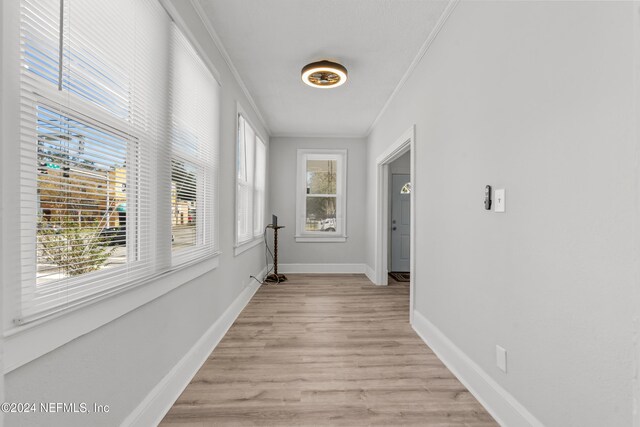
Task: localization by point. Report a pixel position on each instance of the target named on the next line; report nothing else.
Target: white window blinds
(104, 123)
(194, 135)
(251, 183)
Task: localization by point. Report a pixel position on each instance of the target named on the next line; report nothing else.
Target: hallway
(325, 350)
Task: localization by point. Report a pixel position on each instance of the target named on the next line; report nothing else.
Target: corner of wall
(506, 410)
(370, 273)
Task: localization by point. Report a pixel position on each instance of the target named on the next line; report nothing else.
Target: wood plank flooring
(325, 350)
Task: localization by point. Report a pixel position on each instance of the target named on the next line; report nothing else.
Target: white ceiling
(269, 41)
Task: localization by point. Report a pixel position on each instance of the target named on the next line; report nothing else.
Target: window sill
(243, 247)
(24, 344)
(321, 239)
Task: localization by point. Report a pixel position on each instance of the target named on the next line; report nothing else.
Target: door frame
(406, 142)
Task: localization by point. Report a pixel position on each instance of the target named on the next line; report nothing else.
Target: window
(81, 188)
(193, 153)
(321, 196)
(251, 182)
(118, 151)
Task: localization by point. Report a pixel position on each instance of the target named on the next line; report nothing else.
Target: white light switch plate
(501, 359)
(499, 199)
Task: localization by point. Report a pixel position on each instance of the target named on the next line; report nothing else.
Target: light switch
(499, 200)
(501, 358)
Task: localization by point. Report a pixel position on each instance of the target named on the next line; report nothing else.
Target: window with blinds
(194, 94)
(119, 121)
(251, 182)
(82, 184)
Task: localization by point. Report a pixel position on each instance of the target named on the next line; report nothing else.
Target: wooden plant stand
(275, 277)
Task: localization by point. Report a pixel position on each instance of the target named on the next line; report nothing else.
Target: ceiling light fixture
(324, 74)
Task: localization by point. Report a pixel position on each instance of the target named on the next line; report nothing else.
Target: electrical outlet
(501, 358)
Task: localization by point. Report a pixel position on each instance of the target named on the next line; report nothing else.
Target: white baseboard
(321, 268)
(371, 274)
(158, 402)
(506, 410)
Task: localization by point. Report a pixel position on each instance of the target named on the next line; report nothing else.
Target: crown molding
(423, 50)
(318, 135)
(234, 71)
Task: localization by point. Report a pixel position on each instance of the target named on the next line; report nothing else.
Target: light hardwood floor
(325, 350)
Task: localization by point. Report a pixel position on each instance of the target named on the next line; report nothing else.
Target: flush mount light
(324, 74)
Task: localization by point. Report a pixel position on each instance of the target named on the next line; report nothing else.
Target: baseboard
(506, 410)
(371, 274)
(321, 268)
(158, 402)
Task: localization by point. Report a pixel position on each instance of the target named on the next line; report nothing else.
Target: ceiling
(269, 42)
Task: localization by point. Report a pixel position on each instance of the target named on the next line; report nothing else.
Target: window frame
(257, 238)
(82, 111)
(340, 234)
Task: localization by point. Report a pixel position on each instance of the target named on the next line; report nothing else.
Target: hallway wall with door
(536, 98)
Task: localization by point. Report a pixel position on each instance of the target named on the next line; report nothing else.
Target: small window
(321, 196)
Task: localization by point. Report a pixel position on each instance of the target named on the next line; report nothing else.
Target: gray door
(400, 223)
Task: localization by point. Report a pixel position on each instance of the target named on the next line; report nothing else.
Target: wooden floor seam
(325, 350)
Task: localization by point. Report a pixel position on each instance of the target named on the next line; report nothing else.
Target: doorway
(405, 145)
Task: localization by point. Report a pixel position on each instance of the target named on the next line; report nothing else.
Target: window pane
(321, 176)
(183, 204)
(321, 214)
(82, 184)
(241, 159)
(244, 211)
(259, 187)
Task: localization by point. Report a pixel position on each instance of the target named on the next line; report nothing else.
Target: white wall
(537, 98)
(3, 183)
(120, 363)
(282, 161)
